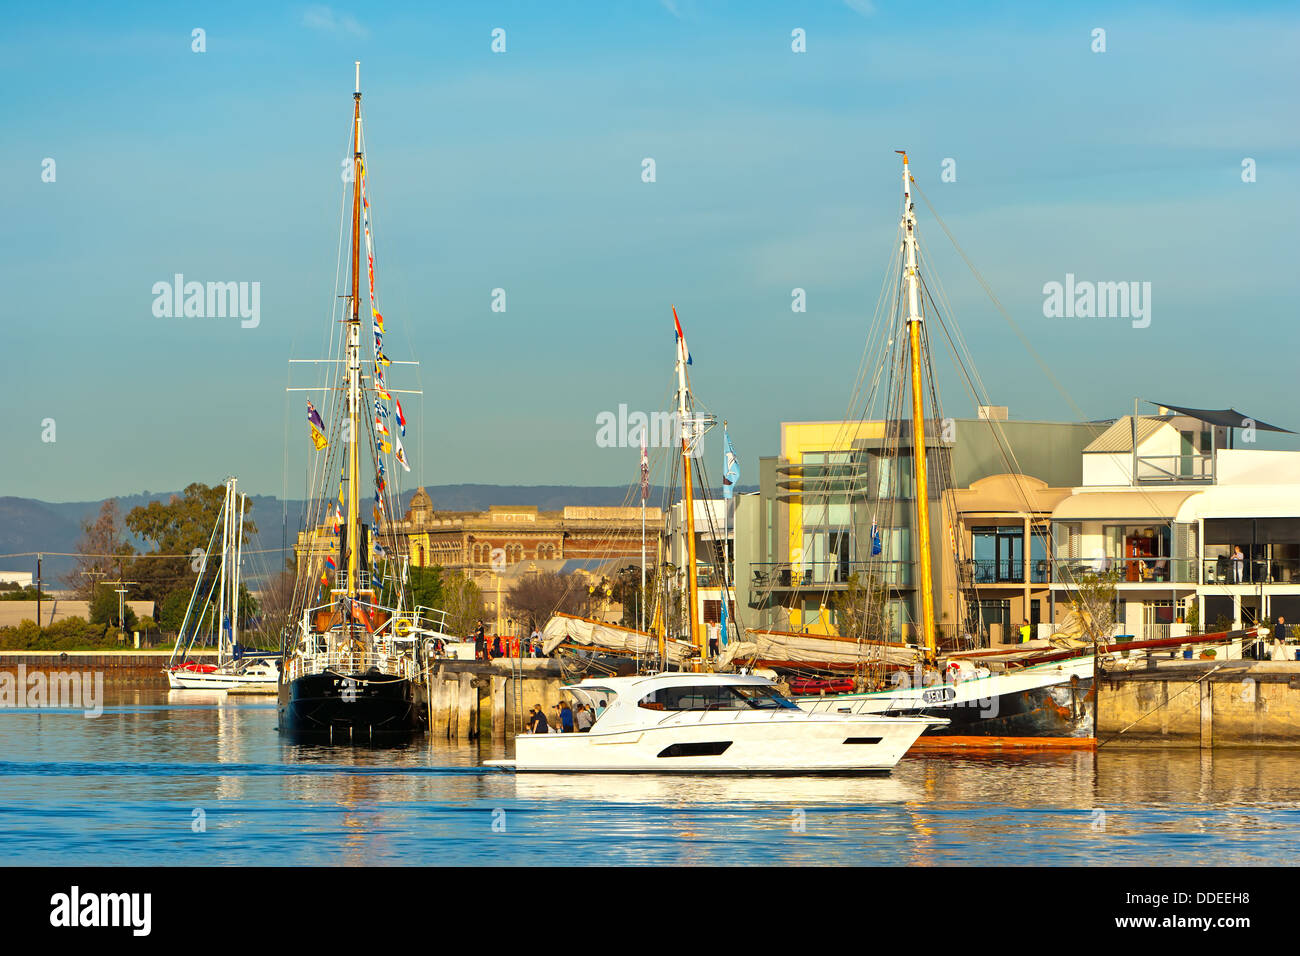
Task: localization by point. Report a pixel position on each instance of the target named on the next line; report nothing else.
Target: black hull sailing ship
(353, 668)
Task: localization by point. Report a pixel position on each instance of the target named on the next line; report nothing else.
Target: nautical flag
(324, 579)
(401, 455)
(379, 321)
(722, 638)
(338, 518)
(379, 341)
(329, 561)
(380, 390)
(645, 473)
(875, 539)
(378, 517)
(381, 408)
(682, 350)
(380, 426)
(401, 419)
(730, 466)
(317, 427)
(381, 358)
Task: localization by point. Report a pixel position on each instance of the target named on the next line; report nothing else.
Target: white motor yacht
(712, 723)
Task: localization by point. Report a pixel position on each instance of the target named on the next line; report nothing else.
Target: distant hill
(27, 524)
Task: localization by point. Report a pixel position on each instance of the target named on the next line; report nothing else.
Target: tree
(463, 602)
(101, 551)
(105, 608)
(423, 589)
(278, 611)
(860, 608)
(537, 596)
(182, 527)
(1094, 599)
(625, 589)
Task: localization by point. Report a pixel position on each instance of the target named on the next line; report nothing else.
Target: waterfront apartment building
(808, 531)
(1199, 531)
(1196, 528)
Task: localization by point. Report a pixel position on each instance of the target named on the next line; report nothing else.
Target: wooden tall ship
(353, 667)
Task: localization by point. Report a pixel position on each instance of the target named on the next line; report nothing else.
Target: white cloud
(325, 19)
(864, 7)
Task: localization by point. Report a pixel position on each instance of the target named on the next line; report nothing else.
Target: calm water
(123, 788)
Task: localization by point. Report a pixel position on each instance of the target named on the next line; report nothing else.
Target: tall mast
(237, 549)
(221, 584)
(914, 320)
(686, 418)
(354, 349)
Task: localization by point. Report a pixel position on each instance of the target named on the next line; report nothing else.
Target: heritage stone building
(490, 546)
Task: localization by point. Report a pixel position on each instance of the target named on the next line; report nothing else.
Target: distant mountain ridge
(28, 524)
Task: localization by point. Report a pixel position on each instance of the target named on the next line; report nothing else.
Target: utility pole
(38, 590)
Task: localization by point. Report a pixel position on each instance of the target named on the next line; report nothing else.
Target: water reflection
(121, 788)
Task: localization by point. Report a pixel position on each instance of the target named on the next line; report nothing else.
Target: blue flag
(875, 539)
(722, 638)
(730, 466)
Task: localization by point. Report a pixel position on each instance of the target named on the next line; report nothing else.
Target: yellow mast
(914, 320)
(354, 349)
(685, 418)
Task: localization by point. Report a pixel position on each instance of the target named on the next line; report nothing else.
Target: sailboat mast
(221, 584)
(237, 547)
(688, 499)
(354, 349)
(914, 320)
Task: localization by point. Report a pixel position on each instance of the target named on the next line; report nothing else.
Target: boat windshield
(717, 697)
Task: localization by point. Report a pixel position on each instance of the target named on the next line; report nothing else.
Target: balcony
(827, 575)
(1156, 570)
(1221, 570)
(1155, 469)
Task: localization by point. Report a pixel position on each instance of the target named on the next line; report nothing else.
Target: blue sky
(521, 171)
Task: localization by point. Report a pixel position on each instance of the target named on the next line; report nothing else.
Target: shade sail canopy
(1226, 417)
(1121, 505)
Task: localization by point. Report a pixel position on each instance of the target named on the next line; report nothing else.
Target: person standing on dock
(1025, 631)
(1282, 631)
(480, 643)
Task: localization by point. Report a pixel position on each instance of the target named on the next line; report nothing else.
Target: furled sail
(767, 646)
(567, 629)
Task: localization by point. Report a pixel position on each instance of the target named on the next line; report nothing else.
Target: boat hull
(359, 708)
(1053, 702)
(264, 682)
(778, 744)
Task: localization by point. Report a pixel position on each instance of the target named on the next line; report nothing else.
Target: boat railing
(350, 661)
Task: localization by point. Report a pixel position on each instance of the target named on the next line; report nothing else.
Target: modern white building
(1187, 519)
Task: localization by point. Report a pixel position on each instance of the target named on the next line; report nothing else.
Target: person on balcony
(1238, 564)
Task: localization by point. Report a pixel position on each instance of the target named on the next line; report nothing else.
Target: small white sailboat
(712, 723)
(235, 670)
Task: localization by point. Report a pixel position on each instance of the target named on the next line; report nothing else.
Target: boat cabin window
(717, 697)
